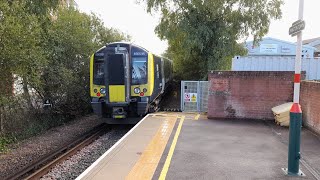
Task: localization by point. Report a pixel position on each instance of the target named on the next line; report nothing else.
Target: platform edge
(83, 174)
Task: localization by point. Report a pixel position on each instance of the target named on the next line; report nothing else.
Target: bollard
(294, 140)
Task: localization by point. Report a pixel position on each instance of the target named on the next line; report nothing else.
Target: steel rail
(44, 164)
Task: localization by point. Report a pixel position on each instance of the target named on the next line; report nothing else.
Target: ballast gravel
(25, 152)
(75, 165)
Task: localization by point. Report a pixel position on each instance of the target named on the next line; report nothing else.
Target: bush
(47, 47)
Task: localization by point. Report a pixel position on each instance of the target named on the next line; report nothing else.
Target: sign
(297, 27)
(47, 103)
(186, 97)
(99, 54)
(193, 97)
(269, 48)
(285, 49)
(190, 97)
(139, 53)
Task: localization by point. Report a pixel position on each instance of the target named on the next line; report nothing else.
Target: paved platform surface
(189, 146)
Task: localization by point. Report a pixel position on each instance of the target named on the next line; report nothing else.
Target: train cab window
(139, 70)
(98, 70)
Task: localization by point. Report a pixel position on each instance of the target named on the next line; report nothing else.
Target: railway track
(171, 100)
(43, 165)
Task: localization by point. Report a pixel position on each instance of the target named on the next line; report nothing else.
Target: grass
(5, 141)
(38, 126)
(41, 125)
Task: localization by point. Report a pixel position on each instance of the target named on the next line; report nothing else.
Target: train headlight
(136, 90)
(145, 90)
(103, 90)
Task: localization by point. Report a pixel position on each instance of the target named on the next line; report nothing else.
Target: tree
(19, 44)
(104, 35)
(48, 45)
(72, 38)
(204, 34)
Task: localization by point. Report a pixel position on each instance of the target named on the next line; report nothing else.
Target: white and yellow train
(126, 80)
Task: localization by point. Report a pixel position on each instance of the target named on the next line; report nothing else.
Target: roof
(287, 42)
(307, 41)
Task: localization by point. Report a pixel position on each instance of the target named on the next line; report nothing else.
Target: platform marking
(149, 160)
(197, 117)
(164, 115)
(170, 154)
(93, 165)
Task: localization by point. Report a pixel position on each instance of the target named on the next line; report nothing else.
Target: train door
(117, 71)
(158, 84)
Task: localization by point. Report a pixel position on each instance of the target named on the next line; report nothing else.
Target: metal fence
(194, 96)
(276, 63)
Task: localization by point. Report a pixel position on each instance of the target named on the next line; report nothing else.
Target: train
(126, 80)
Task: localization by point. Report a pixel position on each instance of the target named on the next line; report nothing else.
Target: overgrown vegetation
(45, 48)
(204, 34)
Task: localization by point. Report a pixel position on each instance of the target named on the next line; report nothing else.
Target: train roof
(132, 44)
(128, 43)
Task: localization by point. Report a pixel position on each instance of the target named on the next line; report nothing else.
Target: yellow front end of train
(127, 81)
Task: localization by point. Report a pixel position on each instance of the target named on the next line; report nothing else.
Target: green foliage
(69, 46)
(72, 37)
(49, 46)
(203, 34)
(5, 141)
(20, 39)
(105, 35)
(41, 7)
(41, 123)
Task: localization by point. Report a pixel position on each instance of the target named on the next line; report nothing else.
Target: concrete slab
(310, 146)
(233, 149)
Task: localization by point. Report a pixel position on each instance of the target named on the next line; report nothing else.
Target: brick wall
(310, 103)
(248, 94)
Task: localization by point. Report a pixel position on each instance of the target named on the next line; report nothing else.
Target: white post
(298, 58)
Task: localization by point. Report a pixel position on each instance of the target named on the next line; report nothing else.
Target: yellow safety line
(197, 117)
(170, 154)
(165, 115)
(149, 160)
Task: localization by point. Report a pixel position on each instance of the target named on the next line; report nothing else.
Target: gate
(194, 96)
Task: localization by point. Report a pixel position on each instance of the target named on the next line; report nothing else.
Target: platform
(189, 146)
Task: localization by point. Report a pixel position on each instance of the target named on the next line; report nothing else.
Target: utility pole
(296, 112)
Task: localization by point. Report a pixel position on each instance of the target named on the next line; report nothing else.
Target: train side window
(158, 73)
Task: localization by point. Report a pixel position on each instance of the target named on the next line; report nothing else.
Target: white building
(276, 47)
(314, 42)
(276, 55)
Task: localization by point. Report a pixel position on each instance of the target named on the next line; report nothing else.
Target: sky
(132, 18)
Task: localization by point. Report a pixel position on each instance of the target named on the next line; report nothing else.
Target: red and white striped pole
(296, 112)
(297, 75)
